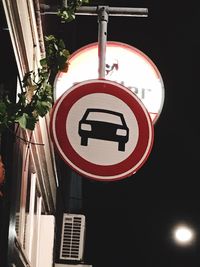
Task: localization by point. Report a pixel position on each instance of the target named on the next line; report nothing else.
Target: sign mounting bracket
(103, 12)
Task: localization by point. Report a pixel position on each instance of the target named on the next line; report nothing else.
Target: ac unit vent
(72, 240)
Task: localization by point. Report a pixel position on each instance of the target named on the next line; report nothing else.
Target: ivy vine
(36, 97)
(67, 14)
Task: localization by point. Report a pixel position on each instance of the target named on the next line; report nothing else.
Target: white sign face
(125, 65)
(104, 150)
(102, 130)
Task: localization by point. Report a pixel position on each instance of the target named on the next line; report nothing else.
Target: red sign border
(60, 139)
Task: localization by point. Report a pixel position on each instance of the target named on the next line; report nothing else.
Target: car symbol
(104, 125)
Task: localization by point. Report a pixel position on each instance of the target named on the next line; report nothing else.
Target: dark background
(129, 222)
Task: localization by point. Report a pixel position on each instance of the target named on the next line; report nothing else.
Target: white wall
(45, 250)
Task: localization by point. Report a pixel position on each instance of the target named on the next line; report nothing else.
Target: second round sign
(101, 130)
(125, 65)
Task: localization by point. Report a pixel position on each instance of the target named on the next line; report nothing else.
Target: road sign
(101, 130)
(125, 64)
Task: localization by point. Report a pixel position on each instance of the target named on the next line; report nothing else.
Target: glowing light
(125, 65)
(184, 235)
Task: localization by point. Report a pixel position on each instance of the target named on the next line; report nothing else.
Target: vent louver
(72, 240)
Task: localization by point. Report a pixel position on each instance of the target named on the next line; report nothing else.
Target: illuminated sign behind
(125, 65)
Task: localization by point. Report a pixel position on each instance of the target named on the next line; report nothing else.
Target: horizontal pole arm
(93, 11)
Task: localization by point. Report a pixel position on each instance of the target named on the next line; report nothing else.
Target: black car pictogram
(105, 125)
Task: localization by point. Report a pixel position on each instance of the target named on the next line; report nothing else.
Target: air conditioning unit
(73, 235)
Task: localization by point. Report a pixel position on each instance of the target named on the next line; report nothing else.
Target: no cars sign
(101, 130)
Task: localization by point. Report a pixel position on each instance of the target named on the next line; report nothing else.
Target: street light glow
(183, 235)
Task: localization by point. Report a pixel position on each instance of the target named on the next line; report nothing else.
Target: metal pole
(113, 11)
(93, 11)
(102, 12)
(102, 39)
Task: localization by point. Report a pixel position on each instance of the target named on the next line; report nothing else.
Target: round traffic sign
(101, 130)
(125, 64)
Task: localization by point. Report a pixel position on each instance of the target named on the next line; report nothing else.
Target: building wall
(30, 186)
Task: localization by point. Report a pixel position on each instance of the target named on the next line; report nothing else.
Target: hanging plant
(67, 14)
(36, 96)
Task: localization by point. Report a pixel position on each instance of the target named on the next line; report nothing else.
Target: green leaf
(27, 79)
(43, 62)
(61, 62)
(66, 14)
(22, 98)
(26, 122)
(56, 47)
(31, 121)
(2, 107)
(22, 120)
(65, 53)
(43, 107)
(61, 44)
(49, 38)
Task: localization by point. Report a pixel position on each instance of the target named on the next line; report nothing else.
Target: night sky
(130, 222)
